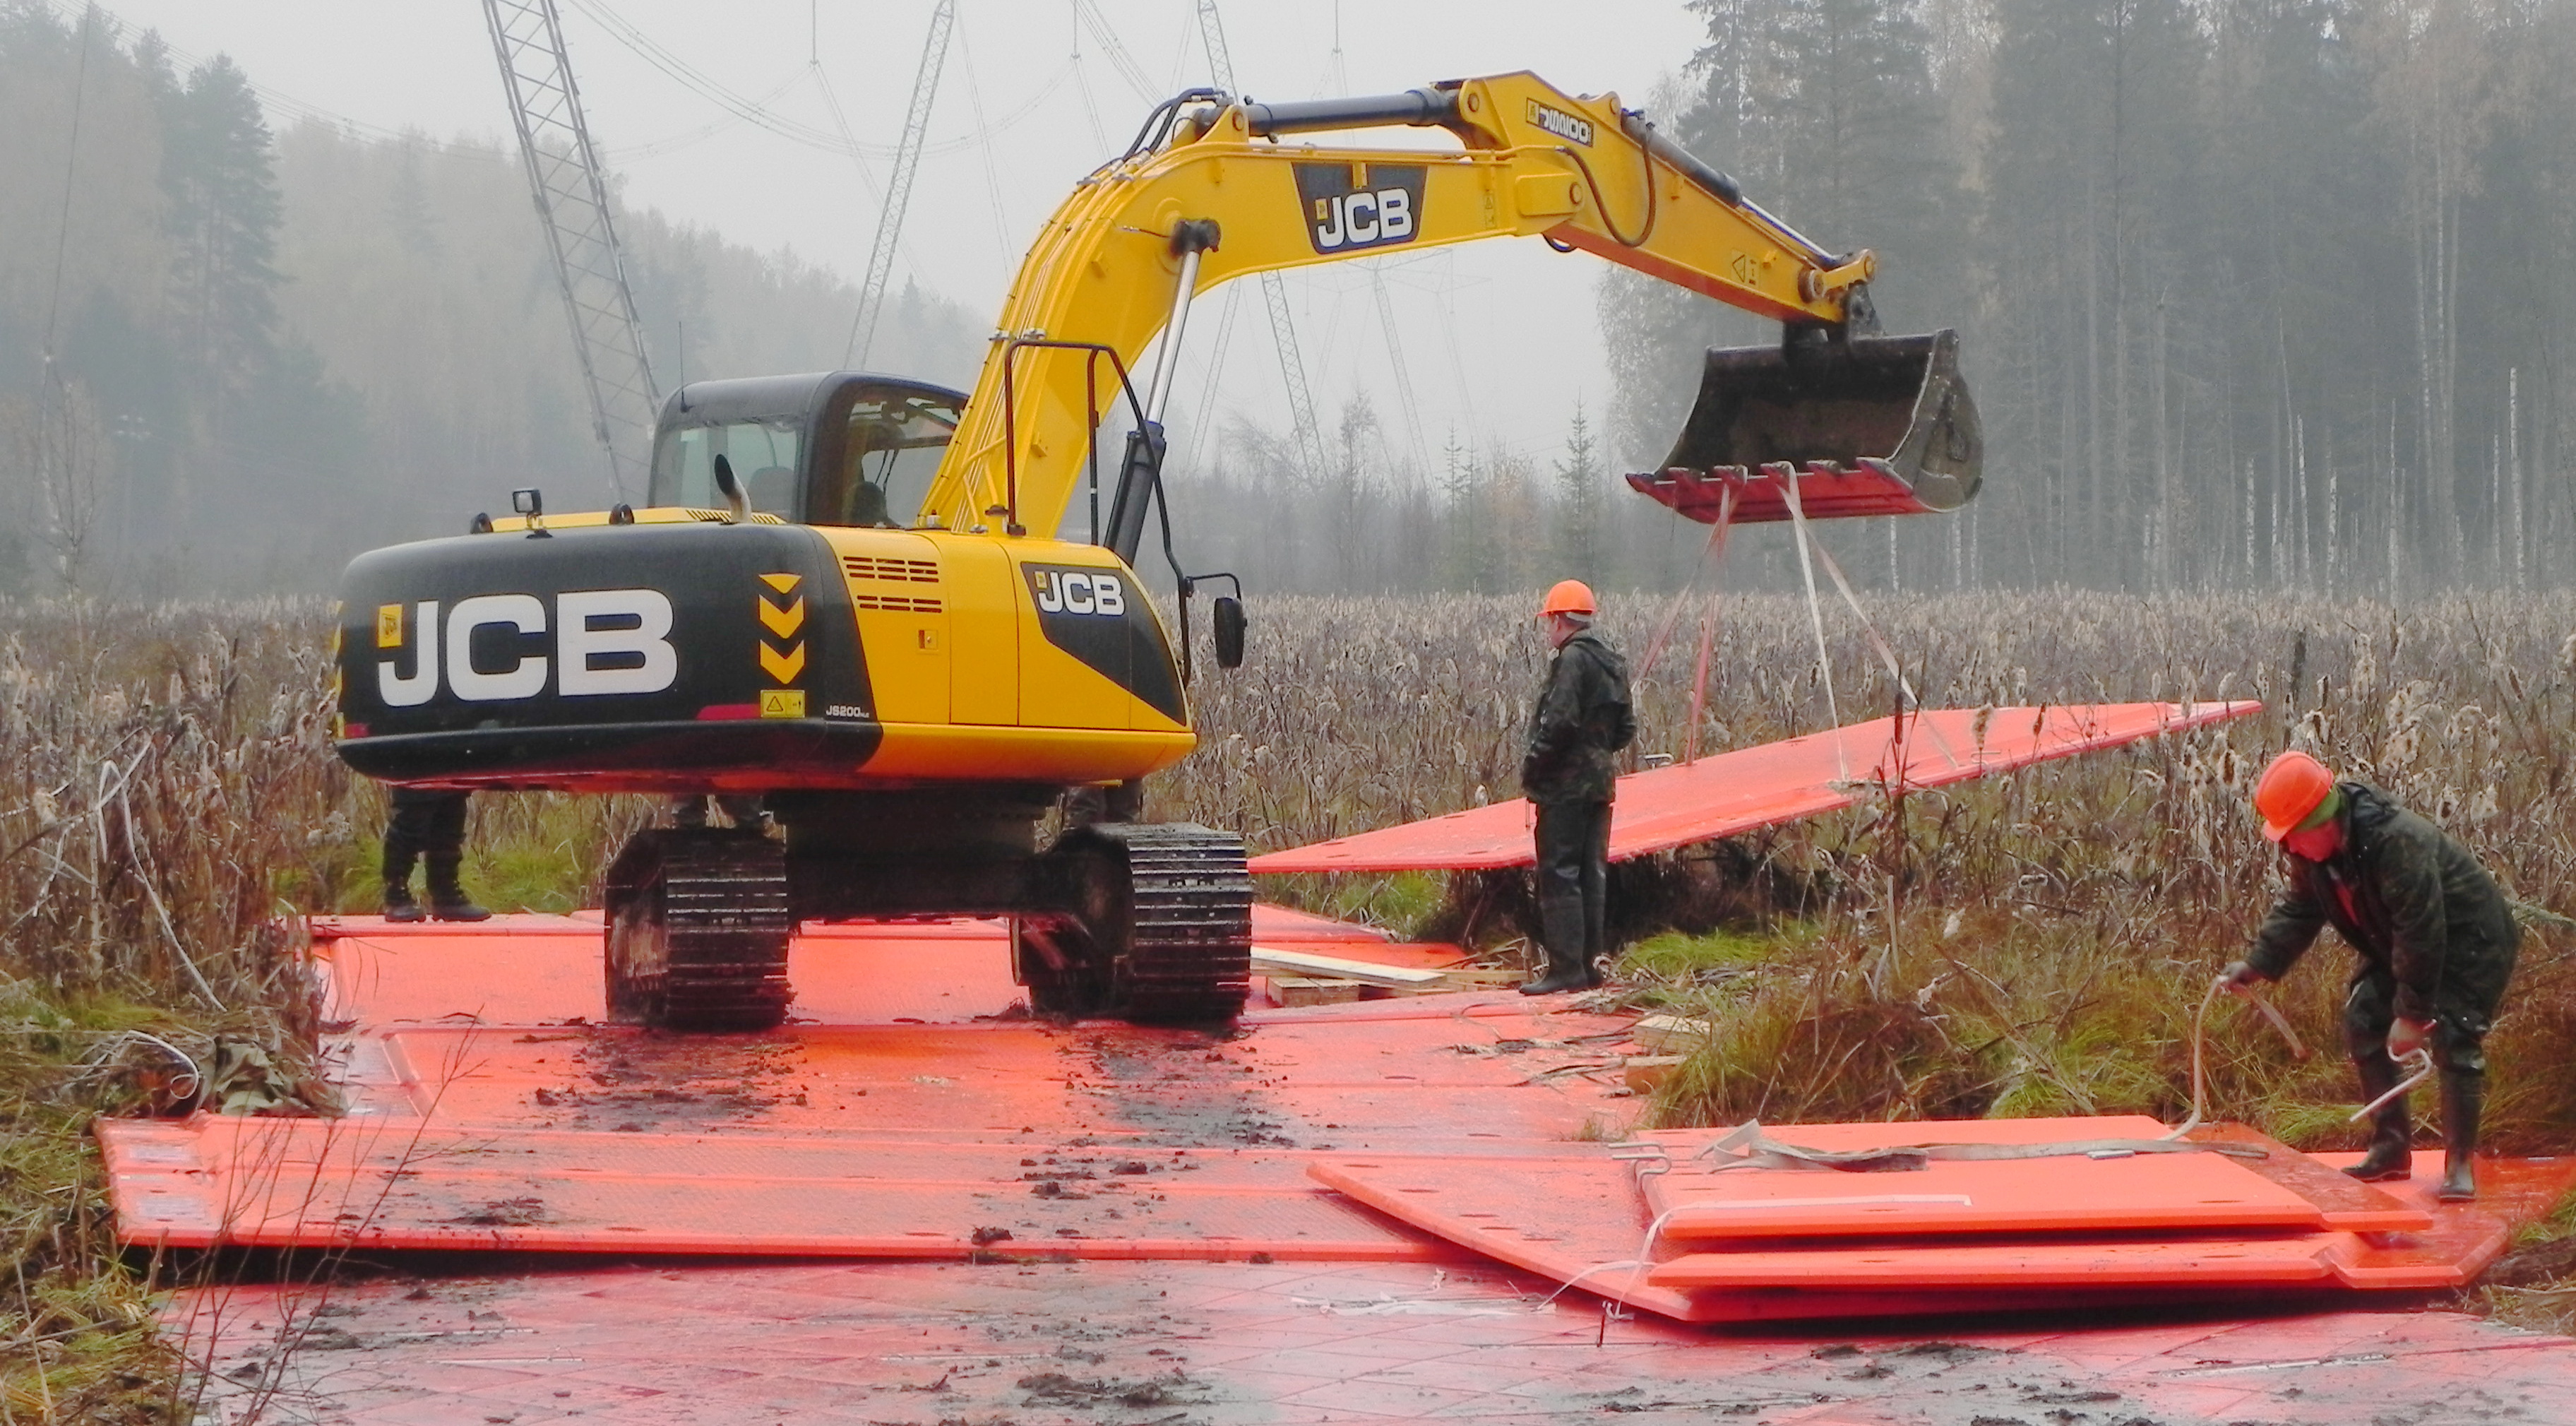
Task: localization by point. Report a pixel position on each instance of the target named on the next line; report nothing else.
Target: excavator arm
(1217, 187)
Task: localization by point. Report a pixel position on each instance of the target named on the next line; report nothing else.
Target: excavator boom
(1217, 188)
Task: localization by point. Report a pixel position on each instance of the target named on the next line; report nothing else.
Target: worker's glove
(2241, 975)
(2408, 1038)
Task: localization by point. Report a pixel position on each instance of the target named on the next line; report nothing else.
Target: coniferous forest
(2254, 293)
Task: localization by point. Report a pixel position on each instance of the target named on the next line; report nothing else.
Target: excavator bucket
(1875, 426)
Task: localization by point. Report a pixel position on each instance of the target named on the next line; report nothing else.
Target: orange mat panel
(1732, 793)
(1347, 1081)
(1579, 1221)
(524, 970)
(934, 1114)
(389, 1185)
(2191, 1263)
(2460, 1240)
(2189, 1192)
(1582, 1220)
(1575, 1220)
(2343, 1202)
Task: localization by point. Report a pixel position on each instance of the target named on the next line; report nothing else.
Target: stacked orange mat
(1679, 1225)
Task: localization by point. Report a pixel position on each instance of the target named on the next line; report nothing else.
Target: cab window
(764, 455)
(894, 443)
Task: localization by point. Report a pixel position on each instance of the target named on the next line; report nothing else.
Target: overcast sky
(1499, 336)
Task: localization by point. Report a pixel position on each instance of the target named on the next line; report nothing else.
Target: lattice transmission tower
(571, 194)
(907, 162)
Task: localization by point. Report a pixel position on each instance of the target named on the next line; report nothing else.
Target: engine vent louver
(898, 570)
(896, 603)
(880, 570)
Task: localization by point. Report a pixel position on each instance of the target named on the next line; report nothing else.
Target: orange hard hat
(1568, 596)
(2291, 791)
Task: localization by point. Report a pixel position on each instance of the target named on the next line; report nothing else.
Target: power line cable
(992, 177)
(1119, 59)
(1090, 110)
(71, 170)
(1215, 377)
(705, 87)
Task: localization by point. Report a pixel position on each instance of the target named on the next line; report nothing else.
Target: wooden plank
(1270, 959)
(1670, 1034)
(1292, 991)
(1646, 1073)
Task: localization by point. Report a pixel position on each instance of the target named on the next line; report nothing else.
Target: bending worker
(2435, 937)
(1581, 721)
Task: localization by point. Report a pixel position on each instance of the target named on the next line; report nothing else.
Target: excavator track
(1163, 929)
(698, 923)
(1189, 938)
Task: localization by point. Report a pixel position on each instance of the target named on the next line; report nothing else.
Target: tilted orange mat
(1728, 794)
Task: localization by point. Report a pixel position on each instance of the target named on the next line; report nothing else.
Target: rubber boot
(399, 856)
(2392, 1133)
(2463, 1096)
(398, 903)
(447, 898)
(1561, 931)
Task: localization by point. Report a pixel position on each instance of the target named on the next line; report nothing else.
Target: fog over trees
(271, 350)
(2253, 293)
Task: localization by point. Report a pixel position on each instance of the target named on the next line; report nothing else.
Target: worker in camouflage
(2436, 940)
(1570, 772)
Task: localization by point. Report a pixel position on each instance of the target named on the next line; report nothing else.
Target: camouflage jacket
(1581, 721)
(2417, 906)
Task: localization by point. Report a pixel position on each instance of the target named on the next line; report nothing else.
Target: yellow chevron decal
(783, 667)
(783, 619)
(783, 583)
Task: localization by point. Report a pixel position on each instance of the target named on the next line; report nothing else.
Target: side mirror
(1225, 619)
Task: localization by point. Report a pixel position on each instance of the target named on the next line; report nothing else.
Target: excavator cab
(829, 448)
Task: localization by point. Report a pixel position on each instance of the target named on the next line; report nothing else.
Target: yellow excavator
(903, 617)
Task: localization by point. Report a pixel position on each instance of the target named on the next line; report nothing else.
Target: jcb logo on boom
(1560, 123)
(1077, 591)
(1350, 206)
(605, 641)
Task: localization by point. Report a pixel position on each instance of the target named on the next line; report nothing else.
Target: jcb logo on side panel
(606, 641)
(1079, 591)
(1353, 206)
